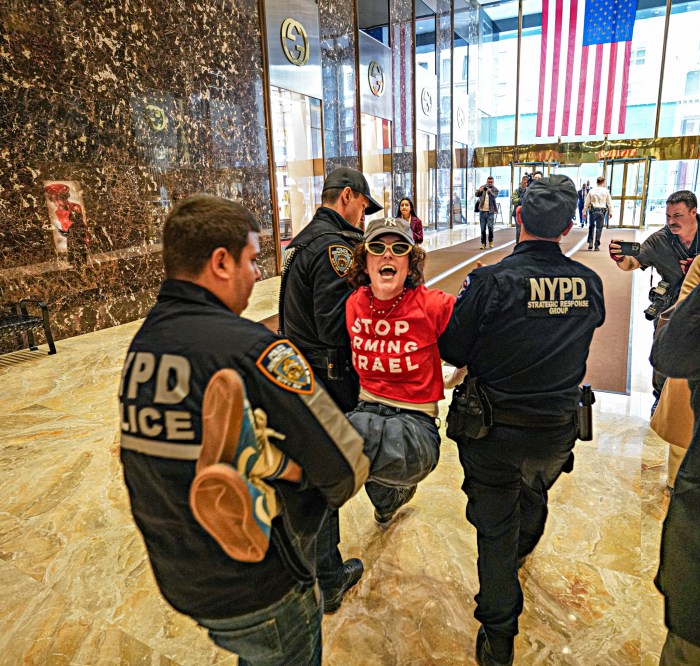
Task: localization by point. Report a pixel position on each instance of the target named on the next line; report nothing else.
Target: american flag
(584, 66)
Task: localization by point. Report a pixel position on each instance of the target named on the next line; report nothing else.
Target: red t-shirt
(396, 356)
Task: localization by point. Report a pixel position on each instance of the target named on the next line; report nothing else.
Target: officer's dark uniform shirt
(188, 336)
(316, 291)
(663, 250)
(524, 327)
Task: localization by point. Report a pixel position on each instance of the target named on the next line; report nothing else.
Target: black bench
(15, 318)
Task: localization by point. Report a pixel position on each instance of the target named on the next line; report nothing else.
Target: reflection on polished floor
(78, 589)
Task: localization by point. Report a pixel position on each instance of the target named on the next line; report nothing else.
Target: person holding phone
(669, 250)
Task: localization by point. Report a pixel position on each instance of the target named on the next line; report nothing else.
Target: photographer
(487, 208)
(670, 251)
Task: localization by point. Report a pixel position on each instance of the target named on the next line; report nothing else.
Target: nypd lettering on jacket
(558, 296)
(168, 376)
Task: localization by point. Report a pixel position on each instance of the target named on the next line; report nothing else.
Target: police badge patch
(465, 287)
(341, 259)
(283, 364)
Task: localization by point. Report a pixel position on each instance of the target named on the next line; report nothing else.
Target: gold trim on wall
(664, 148)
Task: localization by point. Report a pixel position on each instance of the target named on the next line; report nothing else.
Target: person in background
(408, 213)
(676, 353)
(394, 323)
(582, 193)
(673, 417)
(487, 208)
(516, 200)
(599, 203)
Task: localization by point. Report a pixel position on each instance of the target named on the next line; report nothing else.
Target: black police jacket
(185, 339)
(315, 288)
(524, 326)
(676, 353)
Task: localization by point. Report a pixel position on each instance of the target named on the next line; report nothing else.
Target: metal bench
(15, 318)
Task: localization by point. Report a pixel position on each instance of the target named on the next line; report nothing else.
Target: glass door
(627, 180)
(376, 162)
(298, 156)
(459, 184)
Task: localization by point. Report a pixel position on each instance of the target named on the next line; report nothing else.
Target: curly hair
(358, 278)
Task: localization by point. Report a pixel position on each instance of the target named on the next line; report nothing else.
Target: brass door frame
(623, 197)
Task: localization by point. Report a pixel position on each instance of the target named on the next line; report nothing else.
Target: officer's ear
(220, 262)
(517, 215)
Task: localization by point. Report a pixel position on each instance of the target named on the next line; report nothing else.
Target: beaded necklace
(384, 312)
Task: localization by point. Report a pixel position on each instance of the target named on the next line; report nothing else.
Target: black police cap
(549, 205)
(346, 177)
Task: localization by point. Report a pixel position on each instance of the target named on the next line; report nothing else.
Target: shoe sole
(223, 506)
(219, 496)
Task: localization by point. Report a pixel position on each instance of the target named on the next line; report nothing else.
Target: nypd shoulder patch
(465, 287)
(284, 365)
(341, 259)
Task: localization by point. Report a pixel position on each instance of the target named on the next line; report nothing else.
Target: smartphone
(629, 249)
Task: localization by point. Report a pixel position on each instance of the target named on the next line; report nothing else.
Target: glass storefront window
(667, 177)
(426, 178)
(298, 156)
(495, 94)
(501, 179)
(459, 184)
(425, 36)
(373, 19)
(680, 105)
(376, 162)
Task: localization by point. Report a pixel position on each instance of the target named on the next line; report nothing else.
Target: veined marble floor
(77, 587)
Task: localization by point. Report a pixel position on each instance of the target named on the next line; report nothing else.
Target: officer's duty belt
(501, 417)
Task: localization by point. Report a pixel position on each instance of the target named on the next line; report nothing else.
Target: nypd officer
(312, 315)
(210, 249)
(548, 307)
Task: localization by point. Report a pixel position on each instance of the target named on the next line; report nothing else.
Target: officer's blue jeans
(486, 221)
(596, 220)
(285, 633)
(506, 478)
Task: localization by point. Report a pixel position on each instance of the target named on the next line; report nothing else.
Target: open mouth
(387, 271)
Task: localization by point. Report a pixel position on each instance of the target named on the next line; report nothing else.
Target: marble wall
(403, 159)
(444, 39)
(341, 123)
(109, 112)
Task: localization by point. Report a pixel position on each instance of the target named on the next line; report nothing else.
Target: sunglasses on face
(398, 249)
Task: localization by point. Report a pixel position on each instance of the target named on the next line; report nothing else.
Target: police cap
(346, 177)
(549, 205)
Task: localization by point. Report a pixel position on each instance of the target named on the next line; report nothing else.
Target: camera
(661, 298)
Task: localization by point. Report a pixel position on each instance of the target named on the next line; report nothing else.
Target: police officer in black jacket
(312, 316)
(546, 307)
(210, 246)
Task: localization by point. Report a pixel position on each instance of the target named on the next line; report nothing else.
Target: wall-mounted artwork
(67, 215)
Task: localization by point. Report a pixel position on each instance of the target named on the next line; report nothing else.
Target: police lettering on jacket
(556, 296)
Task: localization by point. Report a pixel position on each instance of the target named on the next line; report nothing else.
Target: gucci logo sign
(375, 74)
(155, 117)
(295, 42)
(426, 101)
(460, 117)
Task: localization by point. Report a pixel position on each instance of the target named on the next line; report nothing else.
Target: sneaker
(234, 510)
(597, 248)
(490, 243)
(590, 246)
(349, 575)
(483, 246)
(405, 496)
(483, 651)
